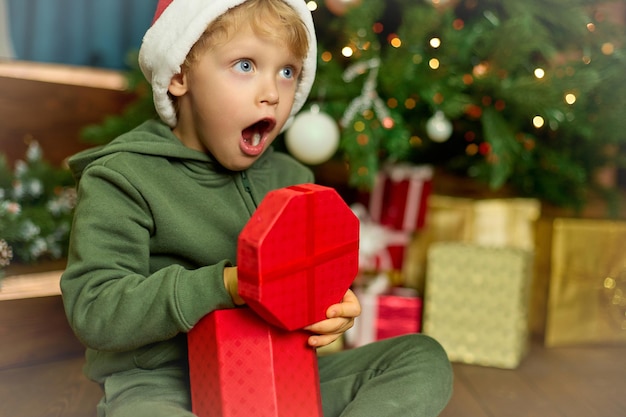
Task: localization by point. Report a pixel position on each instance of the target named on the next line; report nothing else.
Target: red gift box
(399, 198)
(381, 249)
(389, 258)
(241, 366)
(386, 315)
(398, 315)
(297, 255)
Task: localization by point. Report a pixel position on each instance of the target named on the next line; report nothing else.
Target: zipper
(246, 186)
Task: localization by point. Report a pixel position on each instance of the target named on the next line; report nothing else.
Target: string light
(327, 56)
(471, 149)
(311, 5)
(484, 148)
(395, 41)
(539, 73)
(474, 111)
(607, 48)
(359, 126)
(362, 139)
(435, 42)
(570, 98)
(347, 51)
(388, 122)
(434, 63)
(538, 121)
(415, 140)
(529, 144)
(480, 69)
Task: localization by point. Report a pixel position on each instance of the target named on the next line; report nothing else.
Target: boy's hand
(340, 318)
(232, 284)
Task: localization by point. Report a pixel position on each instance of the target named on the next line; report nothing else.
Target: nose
(268, 91)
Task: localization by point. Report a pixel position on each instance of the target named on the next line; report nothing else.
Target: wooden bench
(52, 103)
(40, 358)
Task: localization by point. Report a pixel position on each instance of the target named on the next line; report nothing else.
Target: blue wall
(79, 32)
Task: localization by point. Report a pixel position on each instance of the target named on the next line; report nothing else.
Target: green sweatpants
(404, 376)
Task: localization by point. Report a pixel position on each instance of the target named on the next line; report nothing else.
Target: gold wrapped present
(505, 222)
(476, 302)
(541, 277)
(502, 222)
(587, 299)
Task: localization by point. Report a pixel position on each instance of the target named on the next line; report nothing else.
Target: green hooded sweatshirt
(154, 227)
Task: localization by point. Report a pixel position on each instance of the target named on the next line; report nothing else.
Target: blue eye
(287, 72)
(244, 65)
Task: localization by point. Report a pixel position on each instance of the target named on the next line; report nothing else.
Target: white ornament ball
(313, 137)
(438, 127)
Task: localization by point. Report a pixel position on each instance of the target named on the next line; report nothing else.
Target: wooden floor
(40, 375)
(550, 382)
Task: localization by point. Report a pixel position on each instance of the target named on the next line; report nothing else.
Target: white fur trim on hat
(177, 27)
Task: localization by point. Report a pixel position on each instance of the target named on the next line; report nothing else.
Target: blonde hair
(269, 19)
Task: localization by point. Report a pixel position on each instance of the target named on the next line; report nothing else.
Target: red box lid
(297, 255)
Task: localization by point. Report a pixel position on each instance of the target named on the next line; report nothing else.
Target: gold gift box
(502, 222)
(505, 222)
(587, 296)
(476, 302)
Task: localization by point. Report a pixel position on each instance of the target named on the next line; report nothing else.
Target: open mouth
(254, 134)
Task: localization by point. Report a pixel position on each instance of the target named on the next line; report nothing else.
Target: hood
(150, 138)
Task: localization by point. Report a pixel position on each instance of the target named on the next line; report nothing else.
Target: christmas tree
(509, 92)
(36, 203)
(518, 94)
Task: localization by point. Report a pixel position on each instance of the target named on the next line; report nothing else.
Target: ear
(178, 84)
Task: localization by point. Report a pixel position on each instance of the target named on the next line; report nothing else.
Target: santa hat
(177, 26)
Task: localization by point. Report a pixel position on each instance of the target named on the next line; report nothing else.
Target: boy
(160, 209)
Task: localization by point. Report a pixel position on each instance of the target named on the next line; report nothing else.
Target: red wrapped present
(391, 259)
(398, 315)
(399, 197)
(393, 313)
(241, 366)
(381, 249)
(297, 255)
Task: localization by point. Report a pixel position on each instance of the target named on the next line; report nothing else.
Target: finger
(348, 307)
(322, 340)
(330, 326)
